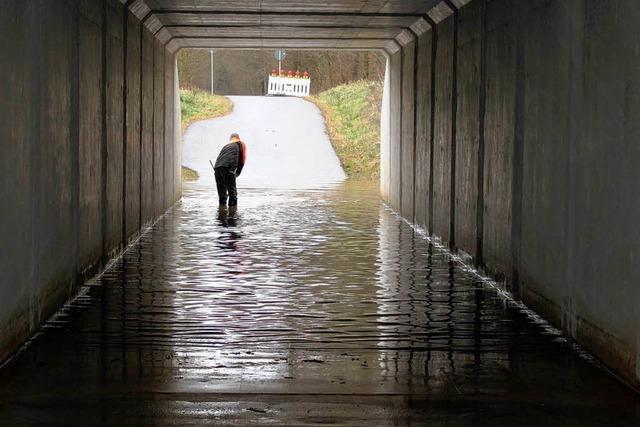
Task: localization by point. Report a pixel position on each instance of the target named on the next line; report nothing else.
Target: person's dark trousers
(226, 184)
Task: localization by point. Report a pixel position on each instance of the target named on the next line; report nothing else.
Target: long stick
(212, 167)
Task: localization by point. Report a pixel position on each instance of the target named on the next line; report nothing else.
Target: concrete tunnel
(509, 133)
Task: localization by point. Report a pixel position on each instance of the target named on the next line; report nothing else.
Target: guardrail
(289, 86)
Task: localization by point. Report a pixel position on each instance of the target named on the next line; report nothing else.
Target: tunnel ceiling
(303, 24)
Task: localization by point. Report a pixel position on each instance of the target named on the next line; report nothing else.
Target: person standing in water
(228, 167)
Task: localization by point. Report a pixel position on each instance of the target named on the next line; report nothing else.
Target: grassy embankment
(352, 117)
(200, 105)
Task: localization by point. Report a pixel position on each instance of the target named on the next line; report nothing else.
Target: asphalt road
(287, 144)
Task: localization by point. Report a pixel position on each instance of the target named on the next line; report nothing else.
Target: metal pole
(211, 71)
(279, 66)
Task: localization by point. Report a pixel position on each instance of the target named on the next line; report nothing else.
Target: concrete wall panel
(91, 10)
(17, 134)
(158, 128)
(385, 133)
(499, 140)
(395, 128)
(90, 154)
(147, 121)
(604, 162)
(54, 228)
(468, 127)
(168, 129)
(133, 147)
(423, 129)
(442, 149)
(545, 155)
(115, 118)
(408, 130)
(177, 136)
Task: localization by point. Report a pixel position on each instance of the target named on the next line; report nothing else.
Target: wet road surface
(306, 307)
(286, 142)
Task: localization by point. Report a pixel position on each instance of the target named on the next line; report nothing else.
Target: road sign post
(211, 71)
(280, 55)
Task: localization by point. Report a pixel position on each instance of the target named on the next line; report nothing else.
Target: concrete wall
(467, 127)
(385, 133)
(75, 168)
(519, 148)
(147, 119)
(158, 194)
(115, 145)
(91, 134)
(408, 143)
(395, 128)
(423, 126)
(443, 127)
(132, 139)
(177, 135)
(169, 164)
(499, 139)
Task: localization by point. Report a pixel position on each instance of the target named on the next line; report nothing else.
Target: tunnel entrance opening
(326, 130)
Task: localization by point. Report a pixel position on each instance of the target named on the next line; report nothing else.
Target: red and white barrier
(289, 86)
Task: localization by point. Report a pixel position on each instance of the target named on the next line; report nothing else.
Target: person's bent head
(234, 137)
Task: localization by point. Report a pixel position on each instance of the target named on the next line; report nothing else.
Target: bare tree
(242, 72)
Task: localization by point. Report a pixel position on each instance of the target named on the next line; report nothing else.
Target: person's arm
(242, 157)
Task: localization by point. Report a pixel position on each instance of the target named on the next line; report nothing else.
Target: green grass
(352, 117)
(189, 174)
(200, 105)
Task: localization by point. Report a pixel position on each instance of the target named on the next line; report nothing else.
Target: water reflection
(302, 307)
(229, 236)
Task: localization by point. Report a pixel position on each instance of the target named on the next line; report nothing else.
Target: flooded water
(304, 307)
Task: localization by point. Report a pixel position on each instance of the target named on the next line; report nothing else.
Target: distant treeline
(243, 72)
